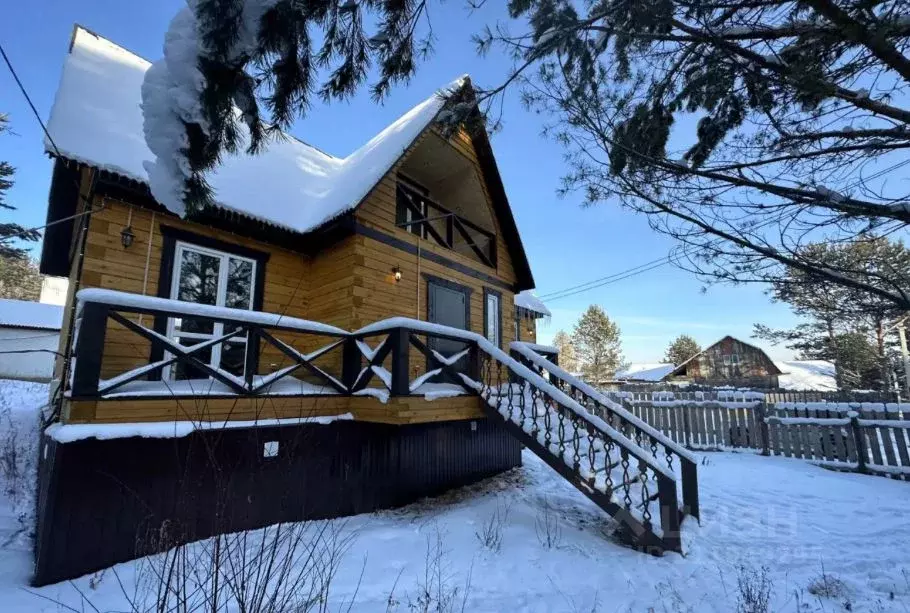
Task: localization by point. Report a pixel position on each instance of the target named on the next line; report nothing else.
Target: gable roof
(97, 120)
(676, 371)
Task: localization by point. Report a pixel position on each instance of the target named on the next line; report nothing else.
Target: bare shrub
(828, 586)
(490, 533)
(437, 590)
(754, 590)
(10, 471)
(280, 568)
(546, 525)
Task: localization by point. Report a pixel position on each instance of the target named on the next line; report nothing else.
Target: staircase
(644, 480)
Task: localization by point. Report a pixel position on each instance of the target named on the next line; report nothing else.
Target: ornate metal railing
(663, 449)
(620, 473)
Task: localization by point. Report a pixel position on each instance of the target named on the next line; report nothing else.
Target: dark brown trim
(492, 292)
(397, 243)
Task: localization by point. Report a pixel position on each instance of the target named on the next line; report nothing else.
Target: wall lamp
(127, 236)
(396, 272)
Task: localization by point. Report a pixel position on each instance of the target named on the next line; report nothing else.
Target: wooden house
(729, 361)
(320, 343)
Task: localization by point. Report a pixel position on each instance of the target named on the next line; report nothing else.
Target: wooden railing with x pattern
(620, 471)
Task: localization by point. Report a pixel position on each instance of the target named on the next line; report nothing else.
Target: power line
(653, 264)
(28, 98)
(50, 139)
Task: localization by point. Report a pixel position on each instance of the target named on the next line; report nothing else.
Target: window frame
(487, 294)
(224, 258)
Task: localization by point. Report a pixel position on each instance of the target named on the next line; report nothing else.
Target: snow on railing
(525, 350)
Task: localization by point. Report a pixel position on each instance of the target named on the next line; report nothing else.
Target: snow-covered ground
(798, 521)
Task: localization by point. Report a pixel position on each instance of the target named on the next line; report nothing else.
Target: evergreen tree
(597, 345)
(568, 360)
(681, 349)
(794, 102)
(834, 309)
(11, 233)
(19, 278)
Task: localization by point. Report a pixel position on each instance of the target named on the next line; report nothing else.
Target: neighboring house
(729, 361)
(29, 337)
(413, 224)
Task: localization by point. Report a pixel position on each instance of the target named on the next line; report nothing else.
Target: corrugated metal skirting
(99, 501)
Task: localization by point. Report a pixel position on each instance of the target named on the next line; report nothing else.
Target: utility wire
(648, 266)
(47, 134)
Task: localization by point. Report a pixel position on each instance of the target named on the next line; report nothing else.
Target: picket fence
(868, 437)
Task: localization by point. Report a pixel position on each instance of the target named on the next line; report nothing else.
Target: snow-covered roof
(25, 314)
(814, 375)
(653, 371)
(528, 301)
(97, 120)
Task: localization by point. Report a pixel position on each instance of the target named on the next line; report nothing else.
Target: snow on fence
(862, 436)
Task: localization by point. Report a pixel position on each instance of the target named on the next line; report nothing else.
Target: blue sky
(567, 245)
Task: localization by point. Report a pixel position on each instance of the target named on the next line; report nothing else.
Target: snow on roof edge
(528, 301)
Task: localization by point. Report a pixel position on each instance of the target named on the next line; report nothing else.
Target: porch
(130, 363)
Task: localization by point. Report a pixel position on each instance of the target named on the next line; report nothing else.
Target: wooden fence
(866, 437)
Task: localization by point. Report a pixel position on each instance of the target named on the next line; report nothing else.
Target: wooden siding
(409, 410)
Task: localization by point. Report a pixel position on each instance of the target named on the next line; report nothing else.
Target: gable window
(492, 316)
(207, 276)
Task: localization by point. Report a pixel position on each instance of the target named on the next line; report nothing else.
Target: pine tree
(568, 360)
(834, 309)
(11, 233)
(19, 278)
(681, 349)
(597, 345)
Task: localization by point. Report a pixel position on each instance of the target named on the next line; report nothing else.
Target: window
(207, 276)
(492, 316)
(517, 324)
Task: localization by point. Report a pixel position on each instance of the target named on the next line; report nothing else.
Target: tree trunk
(882, 358)
(832, 347)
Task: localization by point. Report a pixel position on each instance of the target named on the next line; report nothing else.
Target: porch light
(127, 236)
(397, 273)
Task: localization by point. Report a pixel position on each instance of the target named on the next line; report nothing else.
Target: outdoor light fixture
(127, 236)
(397, 272)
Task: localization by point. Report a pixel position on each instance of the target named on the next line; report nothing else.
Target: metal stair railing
(674, 456)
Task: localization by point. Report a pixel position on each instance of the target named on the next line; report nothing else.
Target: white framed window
(207, 276)
(493, 318)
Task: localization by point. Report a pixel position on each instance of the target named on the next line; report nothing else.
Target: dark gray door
(448, 306)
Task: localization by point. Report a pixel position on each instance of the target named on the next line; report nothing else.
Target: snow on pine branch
(171, 94)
